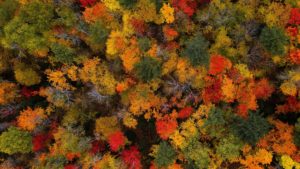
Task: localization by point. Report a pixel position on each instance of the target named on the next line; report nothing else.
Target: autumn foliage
(159, 84)
(165, 126)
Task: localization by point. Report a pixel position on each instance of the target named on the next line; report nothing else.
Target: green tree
(26, 75)
(57, 162)
(165, 156)
(7, 9)
(273, 39)
(229, 147)
(15, 140)
(214, 125)
(71, 140)
(62, 53)
(128, 3)
(98, 34)
(148, 69)
(67, 17)
(27, 29)
(251, 129)
(196, 49)
(198, 154)
(144, 43)
(297, 133)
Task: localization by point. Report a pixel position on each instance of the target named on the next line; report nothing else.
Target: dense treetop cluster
(159, 84)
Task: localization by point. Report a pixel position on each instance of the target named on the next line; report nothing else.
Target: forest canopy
(158, 84)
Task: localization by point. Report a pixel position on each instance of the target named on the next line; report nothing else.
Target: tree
(40, 142)
(7, 9)
(132, 158)
(106, 126)
(257, 160)
(85, 3)
(26, 75)
(165, 155)
(218, 64)
(98, 34)
(294, 16)
(297, 133)
(147, 69)
(198, 154)
(215, 123)
(144, 43)
(68, 142)
(279, 139)
(27, 28)
(56, 161)
(273, 40)
(62, 53)
(196, 49)
(98, 73)
(8, 92)
(185, 112)
(276, 14)
(168, 13)
(229, 148)
(263, 89)
(127, 3)
(166, 126)
(252, 129)
(15, 140)
(29, 118)
(288, 163)
(58, 80)
(108, 161)
(67, 17)
(116, 140)
(97, 12)
(187, 6)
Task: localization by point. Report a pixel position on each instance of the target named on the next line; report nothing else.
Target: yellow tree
(58, 80)
(8, 92)
(98, 73)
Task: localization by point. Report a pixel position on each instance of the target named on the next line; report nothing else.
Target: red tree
(132, 158)
(116, 140)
